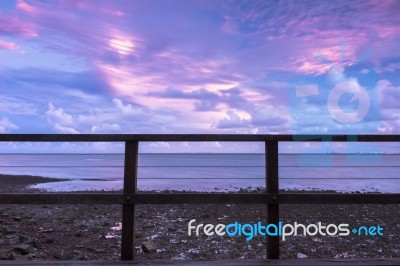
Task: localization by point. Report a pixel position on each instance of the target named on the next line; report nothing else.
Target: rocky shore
(92, 232)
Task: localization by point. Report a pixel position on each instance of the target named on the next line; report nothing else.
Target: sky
(199, 66)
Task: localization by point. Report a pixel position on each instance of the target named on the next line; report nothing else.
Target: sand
(91, 232)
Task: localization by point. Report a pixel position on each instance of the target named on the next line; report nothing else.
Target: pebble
(36, 244)
(7, 255)
(302, 256)
(139, 234)
(61, 256)
(95, 250)
(148, 246)
(47, 240)
(23, 239)
(23, 249)
(32, 221)
(31, 256)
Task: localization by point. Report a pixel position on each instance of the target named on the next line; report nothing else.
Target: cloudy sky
(81, 66)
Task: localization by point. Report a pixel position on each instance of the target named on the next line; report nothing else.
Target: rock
(302, 256)
(42, 230)
(96, 250)
(76, 252)
(8, 231)
(17, 219)
(31, 256)
(12, 239)
(61, 256)
(78, 255)
(24, 239)
(83, 226)
(149, 226)
(148, 246)
(23, 249)
(99, 250)
(69, 221)
(32, 221)
(7, 255)
(139, 234)
(36, 244)
(81, 257)
(47, 240)
(205, 215)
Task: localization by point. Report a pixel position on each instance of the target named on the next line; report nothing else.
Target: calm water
(205, 172)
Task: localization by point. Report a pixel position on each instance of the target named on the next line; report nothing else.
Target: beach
(92, 232)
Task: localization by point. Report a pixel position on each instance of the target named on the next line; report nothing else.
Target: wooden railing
(130, 197)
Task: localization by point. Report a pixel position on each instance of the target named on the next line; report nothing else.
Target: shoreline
(20, 183)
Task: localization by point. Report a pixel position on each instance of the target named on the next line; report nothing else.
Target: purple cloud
(185, 65)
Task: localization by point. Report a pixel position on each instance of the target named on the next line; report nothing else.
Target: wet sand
(19, 183)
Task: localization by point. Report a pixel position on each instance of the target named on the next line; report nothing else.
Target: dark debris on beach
(92, 232)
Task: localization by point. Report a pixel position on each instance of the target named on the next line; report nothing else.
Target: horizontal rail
(193, 137)
(199, 198)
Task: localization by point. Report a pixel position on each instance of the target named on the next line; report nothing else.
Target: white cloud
(212, 144)
(65, 130)
(389, 95)
(6, 125)
(160, 144)
(62, 121)
(391, 67)
(16, 106)
(127, 109)
(58, 115)
(232, 121)
(82, 95)
(267, 117)
(106, 127)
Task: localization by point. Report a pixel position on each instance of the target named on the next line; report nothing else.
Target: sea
(209, 171)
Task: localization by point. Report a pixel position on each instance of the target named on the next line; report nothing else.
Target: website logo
(249, 231)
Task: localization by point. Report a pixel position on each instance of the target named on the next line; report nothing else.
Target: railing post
(128, 208)
(272, 186)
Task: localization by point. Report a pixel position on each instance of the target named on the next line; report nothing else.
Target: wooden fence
(130, 197)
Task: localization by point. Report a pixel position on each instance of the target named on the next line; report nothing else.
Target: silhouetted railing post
(272, 186)
(128, 209)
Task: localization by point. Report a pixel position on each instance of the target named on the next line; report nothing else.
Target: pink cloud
(7, 45)
(112, 12)
(229, 26)
(12, 25)
(104, 7)
(21, 5)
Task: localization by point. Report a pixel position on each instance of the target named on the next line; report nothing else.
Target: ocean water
(210, 172)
